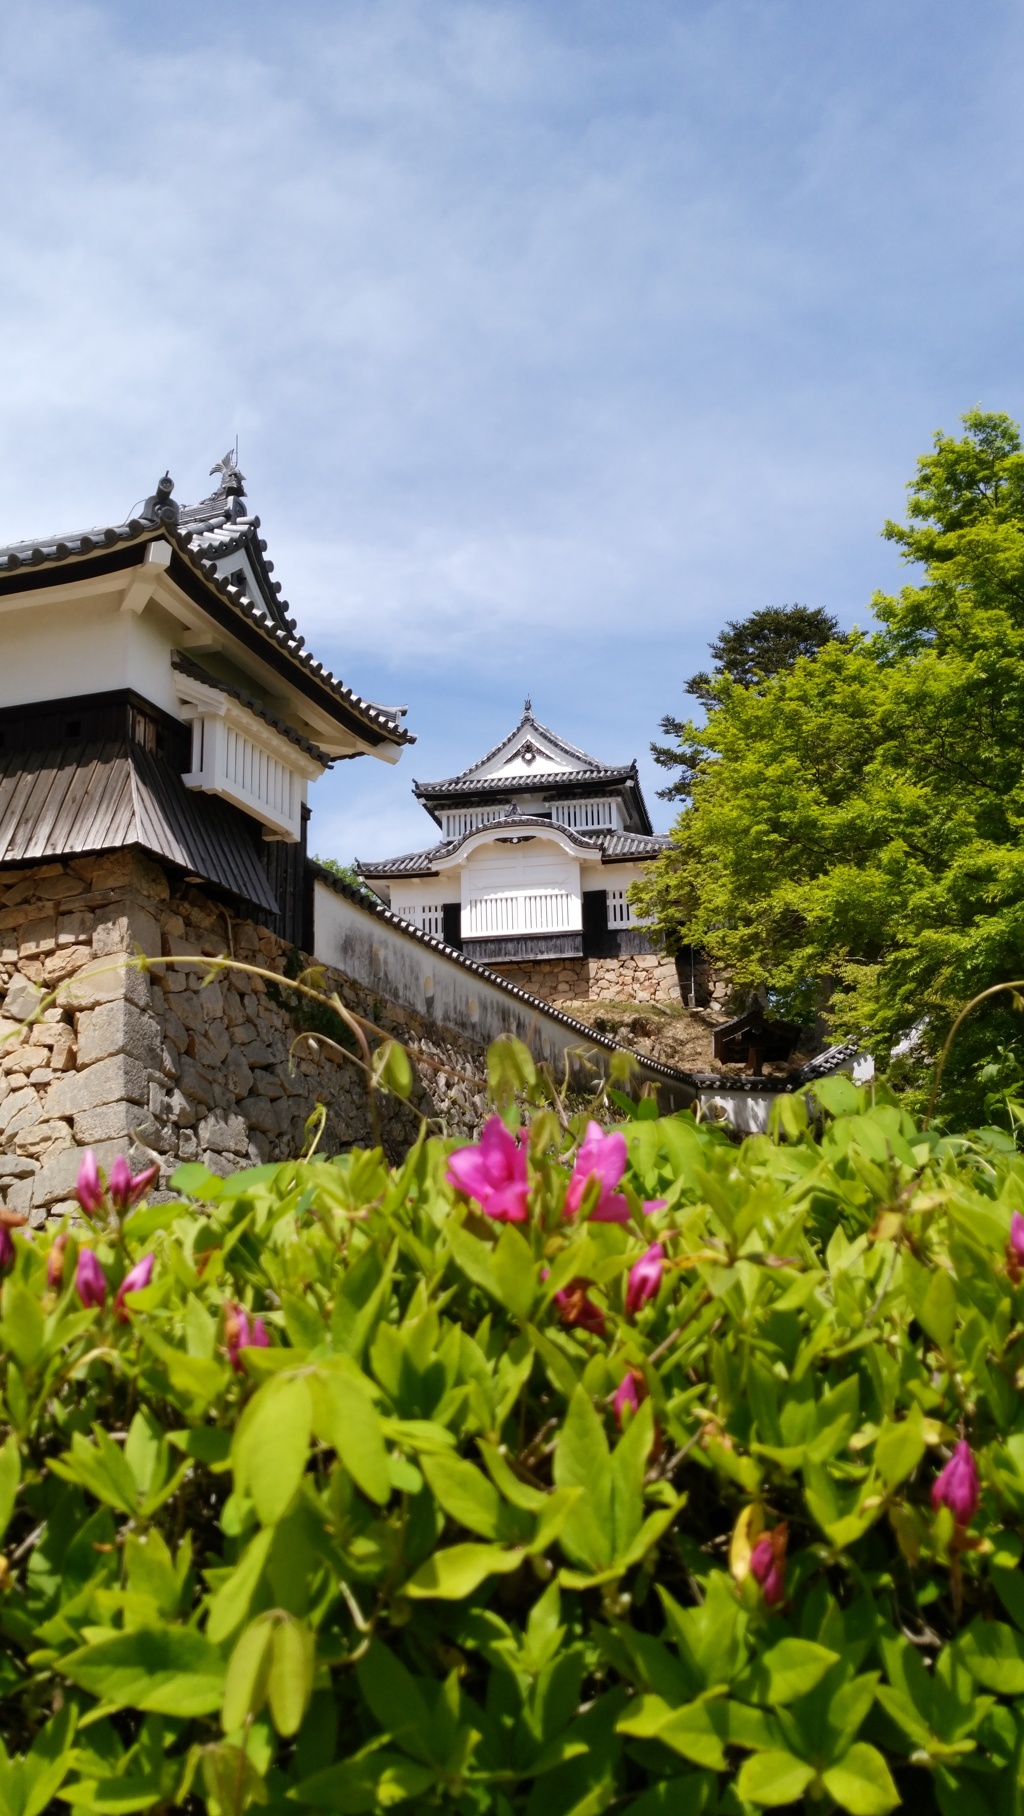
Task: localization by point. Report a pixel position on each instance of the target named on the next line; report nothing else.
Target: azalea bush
(577, 1469)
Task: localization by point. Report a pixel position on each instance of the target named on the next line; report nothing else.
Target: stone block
(114, 1080)
(211, 1001)
(259, 1054)
(19, 1109)
(17, 1166)
(57, 1176)
(268, 1085)
(223, 1134)
(38, 936)
(238, 1073)
(126, 927)
(75, 928)
(195, 1084)
(41, 1139)
(55, 888)
(260, 1113)
(22, 999)
(118, 1027)
(65, 962)
(104, 980)
(21, 891)
(121, 1122)
(113, 870)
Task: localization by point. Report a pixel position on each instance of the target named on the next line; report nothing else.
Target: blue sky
(553, 334)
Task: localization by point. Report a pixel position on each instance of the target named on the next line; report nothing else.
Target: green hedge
(370, 1499)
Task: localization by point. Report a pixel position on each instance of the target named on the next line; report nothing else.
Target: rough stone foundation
(155, 1064)
(640, 977)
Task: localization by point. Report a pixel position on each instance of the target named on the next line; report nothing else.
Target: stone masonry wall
(154, 1064)
(641, 977)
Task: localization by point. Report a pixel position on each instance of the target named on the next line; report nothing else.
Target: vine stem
(993, 990)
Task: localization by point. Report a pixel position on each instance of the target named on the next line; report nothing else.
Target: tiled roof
(527, 722)
(204, 534)
(606, 844)
(834, 1059)
(556, 778)
(195, 673)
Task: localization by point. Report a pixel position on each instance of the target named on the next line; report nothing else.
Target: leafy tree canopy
(748, 650)
(854, 838)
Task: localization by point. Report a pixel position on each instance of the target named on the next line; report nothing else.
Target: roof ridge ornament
(232, 482)
(527, 708)
(160, 507)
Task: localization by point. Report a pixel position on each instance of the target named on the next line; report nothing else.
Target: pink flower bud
(645, 1277)
(241, 1332)
(1017, 1235)
(632, 1389)
(957, 1486)
(124, 1190)
(7, 1249)
(133, 1282)
(89, 1188)
(90, 1283)
(768, 1564)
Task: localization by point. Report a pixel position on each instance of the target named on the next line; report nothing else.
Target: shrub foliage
(480, 1518)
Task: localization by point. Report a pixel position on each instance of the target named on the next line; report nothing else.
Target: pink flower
(90, 1282)
(645, 1277)
(957, 1486)
(90, 1186)
(654, 1204)
(138, 1277)
(632, 1389)
(494, 1173)
(7, 1249)
(601, 1157)
(124, 1190)
(768, 1564)
(240, 1333)
(1017, 1235)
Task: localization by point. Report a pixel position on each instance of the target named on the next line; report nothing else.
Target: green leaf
(23, 1327)
(994, 1656)
(233, 1599)
(271, 1444)
(465, 1494)
(371, 1781)
(353, 1426)
(790, 1669)
(290, 1683)
(164, 1670)
(861, 1782)
(937, 1311)
(245, 1686)
(10, 1476)
(456, 1571)
(515, 1274)
(772, 1778)
(899, 1450)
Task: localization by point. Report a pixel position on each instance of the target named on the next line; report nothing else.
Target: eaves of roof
(610, 846)
(671, 1074)
(27, 566)
(526, 784)
(196, 673)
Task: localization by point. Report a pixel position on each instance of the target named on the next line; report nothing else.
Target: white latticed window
(620, 913)
(583, 815)
(457, 824)
(427, 916)
(536, 911)
(237, 755)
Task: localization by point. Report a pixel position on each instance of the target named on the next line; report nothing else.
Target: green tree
(854, 837)
(747, 650)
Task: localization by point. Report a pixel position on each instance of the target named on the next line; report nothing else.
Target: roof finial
(527, 707)
(160, 507)
(232, 481)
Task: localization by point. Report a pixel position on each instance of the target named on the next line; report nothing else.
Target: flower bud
(134, 1281)
(89, 1188)
(645, 1277)
(957, 1486)
(90, 1282)
(632, 1389)
(768, 1564)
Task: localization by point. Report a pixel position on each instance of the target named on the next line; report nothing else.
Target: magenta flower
(7, 1249)
(493, 1173)
(1017, 1235)
(89, 1188)
(601, 1157)
(957, 1486)
(768, 1565)
(126, 1191)
(137, 1277)
(645, 1277)
(654, 1204)
(90, 1281)
(577, 1309)
(242, 1333)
